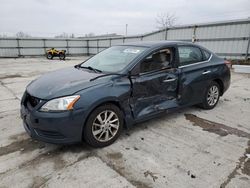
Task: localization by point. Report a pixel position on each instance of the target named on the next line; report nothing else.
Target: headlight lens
(60, 104)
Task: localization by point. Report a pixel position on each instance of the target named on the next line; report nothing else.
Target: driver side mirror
(133, 73)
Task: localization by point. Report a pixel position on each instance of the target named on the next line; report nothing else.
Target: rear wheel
(103, 126)
(212, 96)
(61, 56)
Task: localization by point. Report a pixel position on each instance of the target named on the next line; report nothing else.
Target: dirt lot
(189, 148)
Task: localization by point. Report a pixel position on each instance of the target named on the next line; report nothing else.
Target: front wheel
(212, 96)
(49, 56)
(103, 126)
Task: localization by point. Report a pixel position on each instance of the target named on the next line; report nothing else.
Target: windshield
(114, 59)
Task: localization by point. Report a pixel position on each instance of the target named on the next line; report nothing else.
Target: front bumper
(57, 128)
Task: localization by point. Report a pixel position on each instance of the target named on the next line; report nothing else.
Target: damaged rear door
(155, 88)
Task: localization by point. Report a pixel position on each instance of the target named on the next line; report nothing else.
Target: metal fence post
(194, 34)
(110, 42)
(97, 43)
(67, 46)
(248, 45)
(166, 33)
(44, 46)
(18, 47)
(87, 47)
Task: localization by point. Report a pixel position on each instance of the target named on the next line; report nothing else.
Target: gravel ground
(188, 148)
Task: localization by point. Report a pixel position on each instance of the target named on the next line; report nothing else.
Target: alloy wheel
(213, 95)
(105, 126)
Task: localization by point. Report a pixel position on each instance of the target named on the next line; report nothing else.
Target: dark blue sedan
(121, 86)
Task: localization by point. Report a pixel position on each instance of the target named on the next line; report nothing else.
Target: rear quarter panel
(220, 72)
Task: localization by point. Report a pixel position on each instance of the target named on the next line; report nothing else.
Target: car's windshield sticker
(131, 50)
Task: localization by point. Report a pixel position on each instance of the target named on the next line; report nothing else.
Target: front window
(161, 59)
(114, 59)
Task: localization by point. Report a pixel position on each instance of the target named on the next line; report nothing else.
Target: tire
(61, 56)
(212, 96)
(49, 56)
(96, 132)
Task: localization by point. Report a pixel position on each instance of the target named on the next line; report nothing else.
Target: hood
(62, 82)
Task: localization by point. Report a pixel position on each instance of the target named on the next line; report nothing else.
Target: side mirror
(132, 74)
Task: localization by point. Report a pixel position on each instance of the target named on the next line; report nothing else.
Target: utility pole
(126, 32)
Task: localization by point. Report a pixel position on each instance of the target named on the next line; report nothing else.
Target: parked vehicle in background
(121, 86)
(51, 53)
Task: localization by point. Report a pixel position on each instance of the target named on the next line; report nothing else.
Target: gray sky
(52, 17)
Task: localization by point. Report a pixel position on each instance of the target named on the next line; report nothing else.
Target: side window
(189, 55)
(206, 55)
(158, 60)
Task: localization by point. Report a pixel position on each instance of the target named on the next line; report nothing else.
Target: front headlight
(60, 104)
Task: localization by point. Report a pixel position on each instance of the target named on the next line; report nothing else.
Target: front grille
(31, 100)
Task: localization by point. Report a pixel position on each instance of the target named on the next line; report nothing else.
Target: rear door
(195, 73)
(155, 88)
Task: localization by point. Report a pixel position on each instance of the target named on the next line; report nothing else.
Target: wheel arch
(112, 101)
(220, 83)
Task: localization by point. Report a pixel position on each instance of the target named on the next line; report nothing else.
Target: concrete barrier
(241, 68)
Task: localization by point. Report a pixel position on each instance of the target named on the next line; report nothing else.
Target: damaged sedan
(121, 86)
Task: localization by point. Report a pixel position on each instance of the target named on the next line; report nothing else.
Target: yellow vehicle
(51, 53)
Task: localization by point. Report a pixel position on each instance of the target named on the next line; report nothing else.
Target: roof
(111, 35)
(154, 43)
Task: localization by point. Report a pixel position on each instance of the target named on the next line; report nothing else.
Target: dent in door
(152, 94)
(144, 95)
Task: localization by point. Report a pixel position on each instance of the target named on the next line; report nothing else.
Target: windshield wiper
(92, 68)
(88, 67)
(109, 74)
(97, 70)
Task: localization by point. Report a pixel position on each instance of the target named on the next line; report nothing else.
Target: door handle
(206, 72)
(169, 80)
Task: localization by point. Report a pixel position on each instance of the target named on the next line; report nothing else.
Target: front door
(155, 88)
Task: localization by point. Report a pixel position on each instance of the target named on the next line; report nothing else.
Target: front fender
(117, 92)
